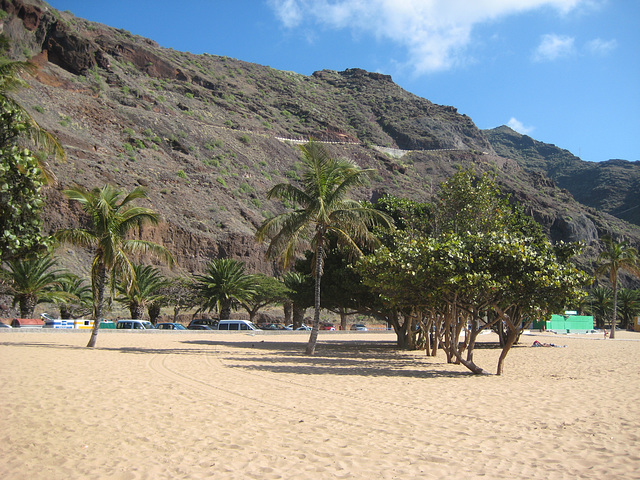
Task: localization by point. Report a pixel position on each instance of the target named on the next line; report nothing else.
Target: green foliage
(614, 258)
(181, 174)
(267, 291)
(142, 289)
(322, 209)
(80, 299)
(477, 261)
(31, 281)
(224, 285)
(245, 139)
(111, 216)
(21, 204)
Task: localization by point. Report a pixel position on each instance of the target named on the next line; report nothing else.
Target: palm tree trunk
(615, 306)
(27, 305)
(225, 310)
(98, 299)
(136, 310)
(288, 312)
(313, 338)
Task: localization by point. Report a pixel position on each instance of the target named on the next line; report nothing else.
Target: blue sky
(565, 72)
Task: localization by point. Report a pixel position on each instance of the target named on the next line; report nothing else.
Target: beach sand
(194, 405)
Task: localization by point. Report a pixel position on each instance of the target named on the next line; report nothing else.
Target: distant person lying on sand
(539, 344)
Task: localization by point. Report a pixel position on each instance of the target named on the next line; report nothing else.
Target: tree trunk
(469, 364)
(154, 312)
(225, 310)
(288, 312)
(343, 319)
(65, 312)
(27, 305)
(137, 310)
(511, 335)
(297, 315)
(99, 281)
(436, 336)
(313, 338)
(615, 307)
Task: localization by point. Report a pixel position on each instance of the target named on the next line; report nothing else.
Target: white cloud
(598, 46)
(434, 33)
(519, 127)
(288, 11)
(554, 46)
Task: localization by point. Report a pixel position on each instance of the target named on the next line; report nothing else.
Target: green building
(567, 323)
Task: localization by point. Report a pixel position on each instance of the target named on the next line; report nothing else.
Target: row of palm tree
(617, 257)
(322, 209)
(599, 303)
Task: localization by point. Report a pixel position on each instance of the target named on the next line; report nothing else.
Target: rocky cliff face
(204, 135)
(612, 186)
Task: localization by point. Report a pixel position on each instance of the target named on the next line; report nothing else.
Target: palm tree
(299, 287)
(111, 219)
(628, 305)
(600, 304)
(32, 281)
(323, 210)
(142, 289)
(81, 298)
(224, 285)
(616, 257)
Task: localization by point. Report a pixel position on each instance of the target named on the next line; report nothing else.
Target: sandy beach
(195, 405)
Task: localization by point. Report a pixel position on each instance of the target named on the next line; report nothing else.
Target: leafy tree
(616, 257)
(268, 291)
(22, 174)
(142, 289)
(180, 293)
(323, 209)
(342, 290)
(111, 218)
(80, 297)
(479, 270)
(32, 281)
(224, 286)
(301, 295)
(407, 215)
(20, 204)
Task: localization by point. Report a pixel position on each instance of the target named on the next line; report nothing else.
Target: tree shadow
(362, 358)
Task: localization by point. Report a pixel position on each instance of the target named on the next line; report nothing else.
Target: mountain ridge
(200, 132)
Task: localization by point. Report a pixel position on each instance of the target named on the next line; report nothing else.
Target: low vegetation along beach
(200, 405)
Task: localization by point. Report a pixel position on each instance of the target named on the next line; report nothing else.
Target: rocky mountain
(612, 186)
(209, 135)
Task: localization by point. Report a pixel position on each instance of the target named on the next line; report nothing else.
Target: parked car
(236, 325)
(327, 326)
(273, 326)
(204, 321)
(304, 327)
(4, 325)
(360, 327)
(170, 326)
(131, 324)
(200, 327)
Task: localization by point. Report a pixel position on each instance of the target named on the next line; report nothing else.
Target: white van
(236, 325)
(134, 325)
